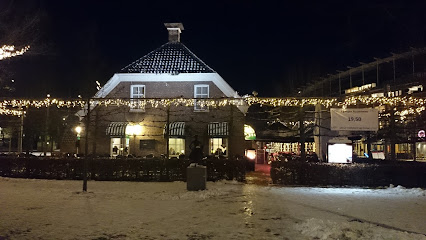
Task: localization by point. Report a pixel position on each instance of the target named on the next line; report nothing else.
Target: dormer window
(201, 91)
(137, 92)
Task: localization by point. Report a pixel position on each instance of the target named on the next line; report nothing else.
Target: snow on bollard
(196, 177)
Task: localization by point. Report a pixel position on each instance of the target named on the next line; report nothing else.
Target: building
(400, 128)
(170, 71)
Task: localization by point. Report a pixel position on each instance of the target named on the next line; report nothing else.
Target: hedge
(123, 169)
(407, 174)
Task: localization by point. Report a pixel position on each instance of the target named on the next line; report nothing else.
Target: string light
(11, 112)
(404, 102)
(8, 51)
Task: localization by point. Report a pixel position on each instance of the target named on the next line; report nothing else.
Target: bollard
(196, 177)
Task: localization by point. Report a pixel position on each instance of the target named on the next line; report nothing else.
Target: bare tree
(20, 26)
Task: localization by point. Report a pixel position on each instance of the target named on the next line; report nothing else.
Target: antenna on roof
(175, 29)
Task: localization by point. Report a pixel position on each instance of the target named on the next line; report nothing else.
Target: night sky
(271, 47)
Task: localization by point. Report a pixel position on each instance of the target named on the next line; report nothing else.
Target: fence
(407, 174)
(126, 169)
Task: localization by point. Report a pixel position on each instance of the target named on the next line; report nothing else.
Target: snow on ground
(50, 209)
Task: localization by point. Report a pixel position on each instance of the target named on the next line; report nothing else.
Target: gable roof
(172, 57)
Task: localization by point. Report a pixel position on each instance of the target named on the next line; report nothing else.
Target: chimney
(174, 31)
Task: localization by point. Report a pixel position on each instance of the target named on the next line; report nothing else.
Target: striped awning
(116, 129)
(176, 129)
(218, 129)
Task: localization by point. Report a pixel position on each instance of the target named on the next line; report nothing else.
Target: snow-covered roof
(172, 57)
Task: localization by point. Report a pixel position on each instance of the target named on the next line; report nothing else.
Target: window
(201, 91)
(176, 146)
(119, 146)
(218, 146)
(137, 91)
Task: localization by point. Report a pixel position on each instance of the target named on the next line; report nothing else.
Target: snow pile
(402, 190)
(320, 229)
(221, 188)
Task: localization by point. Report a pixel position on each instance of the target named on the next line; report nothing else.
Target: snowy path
(45, 209)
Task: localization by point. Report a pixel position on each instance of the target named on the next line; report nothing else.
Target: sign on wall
(354, 119)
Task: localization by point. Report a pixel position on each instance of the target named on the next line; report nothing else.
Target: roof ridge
(196, 57)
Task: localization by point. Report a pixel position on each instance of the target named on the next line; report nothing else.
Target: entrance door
(119, 146)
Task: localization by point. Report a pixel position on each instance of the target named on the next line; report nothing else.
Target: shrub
(122, 169)
(408, 174)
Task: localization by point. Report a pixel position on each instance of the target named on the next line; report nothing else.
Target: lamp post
(78, 131)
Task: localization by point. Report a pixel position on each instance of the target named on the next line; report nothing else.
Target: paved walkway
(261, 175)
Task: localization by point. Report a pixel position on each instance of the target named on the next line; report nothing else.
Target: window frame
(132, 96)
(201, 95)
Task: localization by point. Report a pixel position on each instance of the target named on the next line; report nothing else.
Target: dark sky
(266, 46)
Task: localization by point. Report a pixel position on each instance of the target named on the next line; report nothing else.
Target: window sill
(137, 110)
(201, 110)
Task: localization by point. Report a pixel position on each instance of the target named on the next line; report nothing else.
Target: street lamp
(78, 131)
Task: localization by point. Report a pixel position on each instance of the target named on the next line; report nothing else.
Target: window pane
(204, 90)
(218, 146)
(176, 146)
(135, 90)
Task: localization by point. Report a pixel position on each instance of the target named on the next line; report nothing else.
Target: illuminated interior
(218, 146)
(176, 146)
(251, 154)
(339, 153)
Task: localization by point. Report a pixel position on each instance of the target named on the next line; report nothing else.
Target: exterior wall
(322, 133)
(165, 89)
(153, 121)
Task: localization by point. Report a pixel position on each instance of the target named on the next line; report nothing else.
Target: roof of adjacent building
(172, 58)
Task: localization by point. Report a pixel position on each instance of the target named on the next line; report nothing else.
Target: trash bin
(196, 177)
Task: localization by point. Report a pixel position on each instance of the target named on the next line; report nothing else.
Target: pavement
(261, 175)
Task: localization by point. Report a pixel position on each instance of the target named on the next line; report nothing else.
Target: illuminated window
(119, 146)
(249, 133)
(176, 146)
(137, 91)
(201, 91)
(218, 146)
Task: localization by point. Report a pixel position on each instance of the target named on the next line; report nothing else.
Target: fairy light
(8, 51)
(11, 112)
(404, 102)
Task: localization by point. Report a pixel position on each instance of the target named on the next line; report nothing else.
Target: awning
(218, 129)
(176, 129)
(116, 129)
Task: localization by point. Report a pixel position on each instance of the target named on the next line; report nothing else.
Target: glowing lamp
(251, 154)
(134, 129)
(78, 129)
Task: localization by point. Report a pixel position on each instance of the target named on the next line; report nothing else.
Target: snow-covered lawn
(50, 209)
